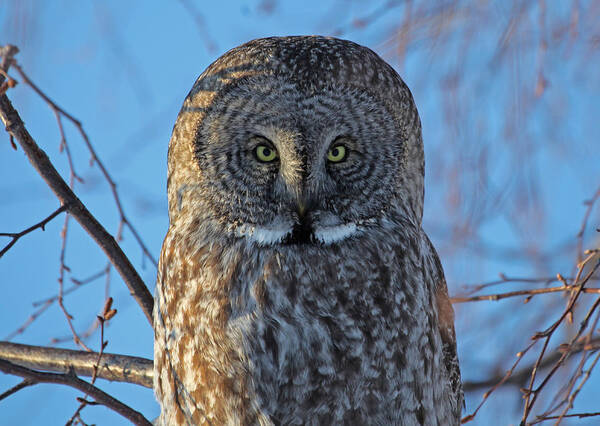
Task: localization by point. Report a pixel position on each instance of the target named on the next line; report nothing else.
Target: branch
(41, 225)
(117, 368)
(520, 376)
(25, 383)
(578, 415)
(532, 292)
(40, 161)
(70, 379)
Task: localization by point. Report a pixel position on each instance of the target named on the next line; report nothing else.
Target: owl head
(293, 140)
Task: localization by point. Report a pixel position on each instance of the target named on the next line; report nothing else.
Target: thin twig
(25, 383)
(547, 335)
(517, 378)
(40, 225)
(588, 211)
(61, 275)
(579, 415)
(503, 279)
(530, 292)
(43, 305)
(107, 314)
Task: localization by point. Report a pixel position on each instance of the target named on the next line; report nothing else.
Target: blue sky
(518, 166)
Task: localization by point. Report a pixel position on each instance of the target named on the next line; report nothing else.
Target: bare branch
(25, 383)
(519, 377)
(116, 368)
(70, 379)
(578, 415)
(530, 292)
(15, 236)
(40, 161)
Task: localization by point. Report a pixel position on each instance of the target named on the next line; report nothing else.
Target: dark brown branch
(25, 383)
(118, 368)
(70, 379)
(40, 161)
(16, 235)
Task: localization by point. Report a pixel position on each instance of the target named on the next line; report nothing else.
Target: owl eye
(265, 153)
(337, 154)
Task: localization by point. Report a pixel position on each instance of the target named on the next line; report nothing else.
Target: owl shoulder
(433, 266)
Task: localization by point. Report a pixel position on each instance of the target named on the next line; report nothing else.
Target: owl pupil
(336, 151)
(266, 152)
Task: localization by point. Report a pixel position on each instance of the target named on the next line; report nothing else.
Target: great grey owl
(296, 285)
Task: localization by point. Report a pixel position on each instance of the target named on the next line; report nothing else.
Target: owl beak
(301, 208)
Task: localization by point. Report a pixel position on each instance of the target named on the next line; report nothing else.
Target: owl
(295, 284)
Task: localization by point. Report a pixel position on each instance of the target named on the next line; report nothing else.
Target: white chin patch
(266, 236)
(333, 234)
(263, 236)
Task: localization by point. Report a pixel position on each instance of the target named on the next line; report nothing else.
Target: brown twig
(543, 360)
(43, 305)
(503, 279)
(8, 84)
(530, 292)
(588, 211)
(579, 415)
(367, 19)
(25, 383)
(107, 314)
(497, 384)
(61, 275)
(77, 284)
(191, 9)
(40, 225)
(517, 378)
(547, 335)
(70, 379)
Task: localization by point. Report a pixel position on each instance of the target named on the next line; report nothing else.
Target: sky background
(509, 100)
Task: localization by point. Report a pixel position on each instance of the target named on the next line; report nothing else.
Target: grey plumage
(301, 290)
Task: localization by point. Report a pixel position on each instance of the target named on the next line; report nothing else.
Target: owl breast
(303, 333)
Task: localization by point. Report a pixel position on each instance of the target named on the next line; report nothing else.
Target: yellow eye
(265, 154)
(336, 154)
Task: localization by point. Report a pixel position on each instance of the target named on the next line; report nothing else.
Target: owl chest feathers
(283, 334)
